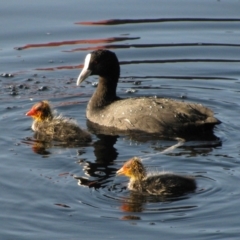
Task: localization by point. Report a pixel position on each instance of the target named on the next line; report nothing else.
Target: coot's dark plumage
(58, 128)
(161, 116)
(161, 183)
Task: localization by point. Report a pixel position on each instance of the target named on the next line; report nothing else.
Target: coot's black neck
(105, 93)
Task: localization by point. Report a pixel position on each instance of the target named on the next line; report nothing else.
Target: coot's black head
(100, 62)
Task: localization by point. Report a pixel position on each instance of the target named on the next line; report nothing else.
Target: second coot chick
(161, 183)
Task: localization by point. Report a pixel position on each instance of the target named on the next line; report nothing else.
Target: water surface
(186, 50)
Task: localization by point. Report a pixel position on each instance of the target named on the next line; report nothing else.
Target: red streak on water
(74, 42)
(59, 68)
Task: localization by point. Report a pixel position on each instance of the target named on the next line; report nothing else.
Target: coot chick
(160, 183)
(55, 127)
(160, 116)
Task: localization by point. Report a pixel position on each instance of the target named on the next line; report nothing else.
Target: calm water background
(180, 49)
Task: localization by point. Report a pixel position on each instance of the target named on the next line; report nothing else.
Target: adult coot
(161, 116)
(160, 183)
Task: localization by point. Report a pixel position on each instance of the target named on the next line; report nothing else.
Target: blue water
(180, 49)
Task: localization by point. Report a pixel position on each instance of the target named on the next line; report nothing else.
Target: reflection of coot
(104, 149)
(155, 184)
(160, 116)
(101, 169)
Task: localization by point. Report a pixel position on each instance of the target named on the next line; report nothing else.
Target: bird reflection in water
(40, 144)
(136, 202)
(100, 170)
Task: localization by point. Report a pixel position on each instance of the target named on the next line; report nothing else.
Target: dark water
(178, 49)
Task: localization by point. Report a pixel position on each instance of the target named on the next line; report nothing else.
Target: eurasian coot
(160, 116)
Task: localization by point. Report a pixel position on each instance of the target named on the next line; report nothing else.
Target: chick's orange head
(39, 110)
(128, 169)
